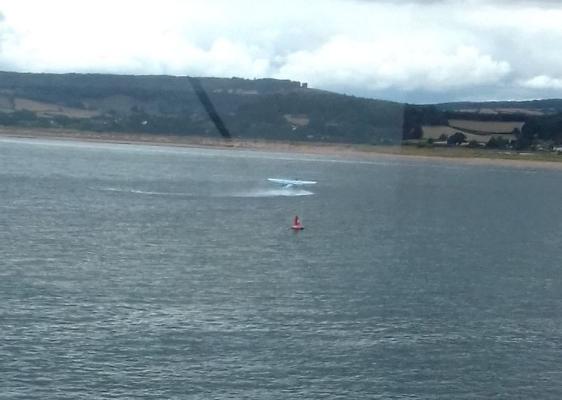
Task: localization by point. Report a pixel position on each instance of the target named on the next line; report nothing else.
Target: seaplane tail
(290, 183)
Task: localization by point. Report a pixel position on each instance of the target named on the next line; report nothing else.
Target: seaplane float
(290, 183)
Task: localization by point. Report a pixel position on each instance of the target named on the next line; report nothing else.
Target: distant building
(304, 85)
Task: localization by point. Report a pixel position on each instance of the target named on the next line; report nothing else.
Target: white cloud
(392, 62)
(542, 82)
(367, 47)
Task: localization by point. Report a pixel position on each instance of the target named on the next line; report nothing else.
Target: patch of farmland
(486, 127)
(297, 119)
(51, 109)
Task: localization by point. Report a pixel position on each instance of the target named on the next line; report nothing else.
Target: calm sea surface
(164, 273)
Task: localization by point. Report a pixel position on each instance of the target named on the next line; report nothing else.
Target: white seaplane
(290, 183)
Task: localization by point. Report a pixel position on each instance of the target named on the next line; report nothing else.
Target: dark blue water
(162, 273)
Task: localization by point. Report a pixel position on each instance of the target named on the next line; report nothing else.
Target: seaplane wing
(289, 183)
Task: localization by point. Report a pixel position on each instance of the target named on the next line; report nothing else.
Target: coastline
(352, 151)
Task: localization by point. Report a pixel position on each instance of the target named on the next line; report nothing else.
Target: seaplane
(290, 183)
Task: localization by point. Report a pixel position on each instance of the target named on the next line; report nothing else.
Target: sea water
(169, 273)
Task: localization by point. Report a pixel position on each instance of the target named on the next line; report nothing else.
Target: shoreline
(349, 151)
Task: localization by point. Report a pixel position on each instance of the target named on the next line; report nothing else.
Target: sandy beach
(465, 156)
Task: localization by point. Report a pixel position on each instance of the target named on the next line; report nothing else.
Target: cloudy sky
(407, 50)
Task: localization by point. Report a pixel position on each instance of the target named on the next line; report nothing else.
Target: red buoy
(297, 225)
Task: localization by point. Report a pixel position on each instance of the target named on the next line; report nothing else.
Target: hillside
(261, 108)
(267, 109)
(523, 125)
